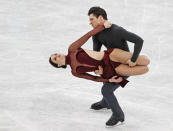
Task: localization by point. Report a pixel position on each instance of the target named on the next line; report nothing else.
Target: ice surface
(36, 97)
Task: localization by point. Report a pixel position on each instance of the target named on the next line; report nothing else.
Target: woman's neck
(67, 60)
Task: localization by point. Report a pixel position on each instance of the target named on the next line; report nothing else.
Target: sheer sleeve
(90, 77)
(97, 78)
(77, 44)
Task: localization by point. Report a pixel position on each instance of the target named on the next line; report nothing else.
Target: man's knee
(105, 91)
(108, 88)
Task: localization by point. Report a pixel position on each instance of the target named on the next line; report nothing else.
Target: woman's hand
(130, 63)
(107, 24)
(99, 71)
(118, 80)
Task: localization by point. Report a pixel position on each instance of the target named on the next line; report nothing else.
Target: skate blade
(118, 124)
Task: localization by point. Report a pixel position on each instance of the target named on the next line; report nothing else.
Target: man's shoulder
(116, 27)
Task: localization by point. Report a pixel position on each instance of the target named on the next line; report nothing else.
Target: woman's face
(58, 59)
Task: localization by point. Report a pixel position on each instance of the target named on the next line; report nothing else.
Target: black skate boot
(98, 106)
(113, 121)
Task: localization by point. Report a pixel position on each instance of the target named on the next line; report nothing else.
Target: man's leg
(109, 97)
(103, 104)
(100, 105)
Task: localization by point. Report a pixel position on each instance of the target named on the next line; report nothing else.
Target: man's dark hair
(55, 65)
(97, 11)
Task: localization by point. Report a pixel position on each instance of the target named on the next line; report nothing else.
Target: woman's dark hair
(97, 11)
(55, 65)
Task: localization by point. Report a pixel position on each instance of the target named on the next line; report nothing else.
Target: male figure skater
(113, 37)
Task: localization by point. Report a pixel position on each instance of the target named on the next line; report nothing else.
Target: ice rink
(34, 96)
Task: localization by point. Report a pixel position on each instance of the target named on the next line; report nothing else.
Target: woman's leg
(122, 56)
(125, 70)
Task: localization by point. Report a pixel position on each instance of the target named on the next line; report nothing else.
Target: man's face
(94, 21)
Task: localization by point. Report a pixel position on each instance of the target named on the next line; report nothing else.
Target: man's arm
(96, 44)
(138, 41)
(77, 44)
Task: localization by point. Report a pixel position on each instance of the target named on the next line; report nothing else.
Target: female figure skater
(110, 64)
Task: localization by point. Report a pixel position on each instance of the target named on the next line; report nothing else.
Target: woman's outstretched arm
(120, 80)
(90, 77)
(77, 44)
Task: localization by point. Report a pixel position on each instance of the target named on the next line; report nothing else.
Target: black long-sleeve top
(117, 37)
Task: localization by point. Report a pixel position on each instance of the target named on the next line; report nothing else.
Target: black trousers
(110, 100)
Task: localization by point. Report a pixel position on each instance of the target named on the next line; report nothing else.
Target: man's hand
(99, 71)
(107, 24)
(130, 63)
(113, 79)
